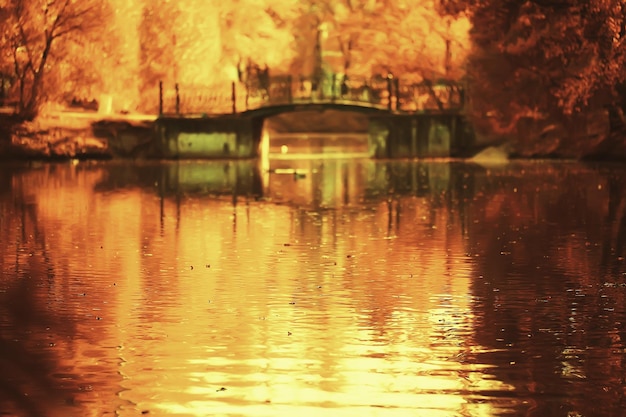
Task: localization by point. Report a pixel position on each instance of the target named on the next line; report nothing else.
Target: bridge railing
(201, 99)
(428, 96)
(379, 92)
(288, 90)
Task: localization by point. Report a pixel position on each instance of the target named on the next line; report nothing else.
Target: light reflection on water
(350, 287)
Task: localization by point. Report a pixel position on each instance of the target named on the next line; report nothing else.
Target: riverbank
(64, 135)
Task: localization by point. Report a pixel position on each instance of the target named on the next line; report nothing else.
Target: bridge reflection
(322, 182)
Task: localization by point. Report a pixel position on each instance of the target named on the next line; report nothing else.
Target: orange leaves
(399, 37)
(202, 42)
(566, 54)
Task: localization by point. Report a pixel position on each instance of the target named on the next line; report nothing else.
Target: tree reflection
(486, 291)
(614, 243)
(49, 318)
(30, 329)
(544, 308)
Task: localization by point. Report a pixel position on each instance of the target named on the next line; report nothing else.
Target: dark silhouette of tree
(552, 57)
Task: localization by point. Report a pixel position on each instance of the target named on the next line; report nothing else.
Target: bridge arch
(260, 117)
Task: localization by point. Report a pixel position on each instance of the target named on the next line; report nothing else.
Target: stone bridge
(383, 93)
(405, 119)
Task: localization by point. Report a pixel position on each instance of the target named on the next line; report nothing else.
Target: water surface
(324, 286)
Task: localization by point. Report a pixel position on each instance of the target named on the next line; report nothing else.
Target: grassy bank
(66, 135)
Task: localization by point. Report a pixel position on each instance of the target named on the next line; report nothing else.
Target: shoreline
(83, 135)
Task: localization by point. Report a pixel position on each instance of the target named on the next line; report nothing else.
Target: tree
(417, 40)
(364, 37)
(269, 41)
(158, 60)
(199, 43)
(561, 57)
(31, 31)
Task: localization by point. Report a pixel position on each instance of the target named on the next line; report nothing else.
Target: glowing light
(264, 159)
(284, 149)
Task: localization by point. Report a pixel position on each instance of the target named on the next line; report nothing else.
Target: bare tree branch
(36, 26)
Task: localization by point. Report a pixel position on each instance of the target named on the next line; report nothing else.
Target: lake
(312, 286)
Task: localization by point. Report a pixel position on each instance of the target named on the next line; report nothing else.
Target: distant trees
(259, 32)
(363, 37)
(204, 42)
(158, 45)
(57, 49)
(31, 32)
(415, 39)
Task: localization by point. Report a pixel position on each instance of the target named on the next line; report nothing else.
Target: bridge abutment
(424, 135)
(227, 136)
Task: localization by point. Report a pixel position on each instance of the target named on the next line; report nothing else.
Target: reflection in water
(357, 287)
(551, 285)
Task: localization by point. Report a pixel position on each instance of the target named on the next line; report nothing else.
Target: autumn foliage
(536, 57)
(35, 33)
(63, 50)
(521, 57)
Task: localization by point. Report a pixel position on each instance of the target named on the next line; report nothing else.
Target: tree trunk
(30, 109)
(617, 123)
(21, 102)
(32, 105)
